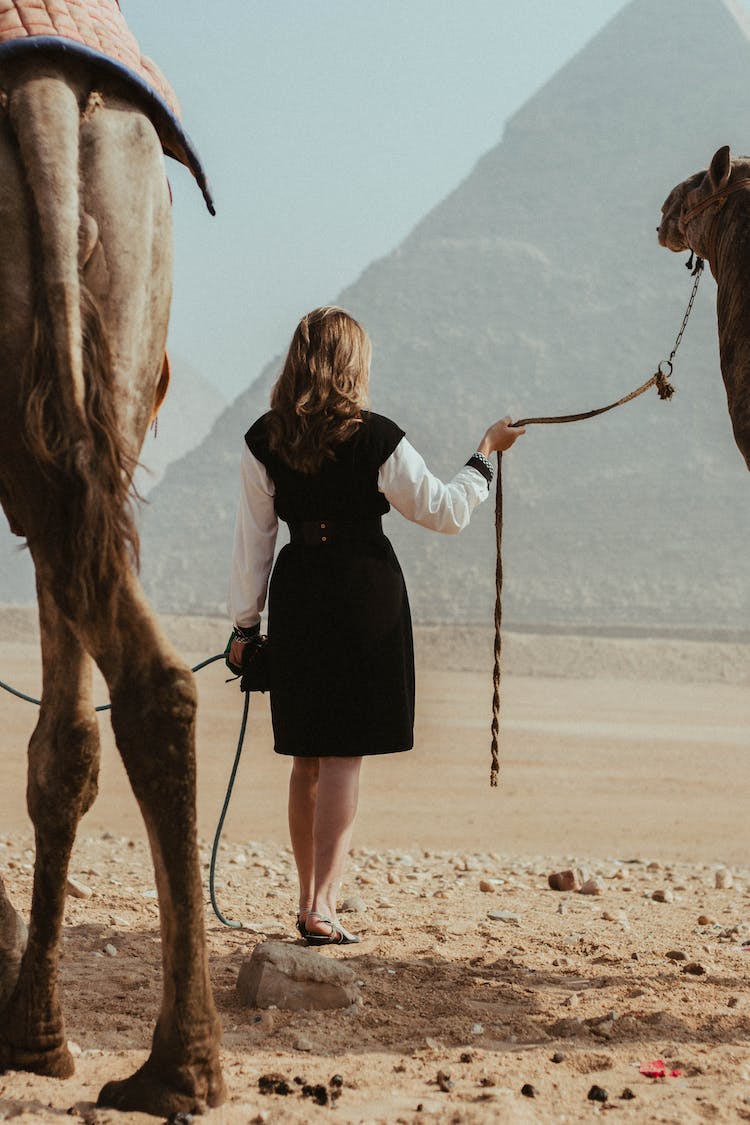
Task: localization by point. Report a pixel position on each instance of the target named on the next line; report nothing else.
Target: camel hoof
(147, 1091)
(55, 1063)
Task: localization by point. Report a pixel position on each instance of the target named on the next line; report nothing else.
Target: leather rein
(719, 198)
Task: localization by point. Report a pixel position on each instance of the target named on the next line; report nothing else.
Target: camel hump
(45, 116)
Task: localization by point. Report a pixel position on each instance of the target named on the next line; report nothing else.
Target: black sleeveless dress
(342, 657)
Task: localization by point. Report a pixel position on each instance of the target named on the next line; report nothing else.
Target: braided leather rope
(660, 380)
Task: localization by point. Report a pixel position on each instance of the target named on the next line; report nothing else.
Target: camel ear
(721, 167)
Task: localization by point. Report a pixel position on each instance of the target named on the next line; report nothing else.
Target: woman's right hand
(500, 436)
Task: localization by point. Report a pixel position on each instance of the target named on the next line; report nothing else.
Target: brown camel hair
(709, 213)
(85, 290)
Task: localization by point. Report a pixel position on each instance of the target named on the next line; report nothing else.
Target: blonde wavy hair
(319, 397)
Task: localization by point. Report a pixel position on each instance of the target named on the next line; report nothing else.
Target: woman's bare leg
(335, 810)
(303, 792)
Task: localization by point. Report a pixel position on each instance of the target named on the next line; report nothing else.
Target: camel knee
(63, 769)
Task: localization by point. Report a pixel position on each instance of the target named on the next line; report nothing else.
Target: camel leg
(153, 712)
(13, 936)
(62, 782)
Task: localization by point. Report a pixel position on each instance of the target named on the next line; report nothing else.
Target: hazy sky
(328, 130)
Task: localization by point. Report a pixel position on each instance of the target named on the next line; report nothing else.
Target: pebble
(110, 950)
(77, 889)
(528, 1090)
(663, 894)
(627, 1095)
(676, 955)
(694, 968)
(706, 920)
(723, 879)
(563, 881)
(597, 1094)
(486, 888)
(444, 1081)
(302, 1043)
(504, 916)
(353, 905)
(591, 887)
(558, 1057)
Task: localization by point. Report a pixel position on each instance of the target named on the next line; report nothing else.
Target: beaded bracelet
(246, 634)
(483, 465)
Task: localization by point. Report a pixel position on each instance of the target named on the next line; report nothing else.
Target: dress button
(322, 527)
(323, 539)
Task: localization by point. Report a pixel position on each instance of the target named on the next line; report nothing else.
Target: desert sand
(622, 758)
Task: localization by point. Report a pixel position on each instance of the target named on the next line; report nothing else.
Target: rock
(567, 1028)
(302, 1043)
(294, 979)
(676, 955)
(591, 887)
(694, 968)
(528, 1090)
(563, 881)
(504, 916)
(723, 879)
(77, 889)
(558, 1057)
(627, 1095)
(444, 1081)
(664, 894)
(353, 905)
(597, 1094)
(486, 887)
(706, 920)
(110, 950)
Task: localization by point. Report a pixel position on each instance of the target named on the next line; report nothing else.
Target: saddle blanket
(97, 30)
(97, 24)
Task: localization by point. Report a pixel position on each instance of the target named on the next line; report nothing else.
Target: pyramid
(538, 287)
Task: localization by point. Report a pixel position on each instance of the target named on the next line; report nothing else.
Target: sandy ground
(625, 758)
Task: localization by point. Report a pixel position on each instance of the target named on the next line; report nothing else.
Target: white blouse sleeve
(410, 487)
(254, 542)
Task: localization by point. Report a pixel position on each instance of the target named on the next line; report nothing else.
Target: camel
(709, 213)
(85, 290)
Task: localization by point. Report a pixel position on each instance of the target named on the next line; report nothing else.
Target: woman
(341, 655)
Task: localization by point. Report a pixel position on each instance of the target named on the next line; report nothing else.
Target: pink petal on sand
(655, 1069)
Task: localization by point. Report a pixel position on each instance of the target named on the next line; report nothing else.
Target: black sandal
(337, 936)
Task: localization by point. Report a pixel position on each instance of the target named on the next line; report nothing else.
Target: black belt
(321, 533)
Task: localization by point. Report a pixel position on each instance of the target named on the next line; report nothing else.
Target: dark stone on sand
(274, 1084)
(597, 1094)
(444, 1081)
(627, 1095)
(558, 1057)
(528, 1090)
(318, 1093)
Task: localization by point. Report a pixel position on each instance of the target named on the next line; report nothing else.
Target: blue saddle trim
(175, 141)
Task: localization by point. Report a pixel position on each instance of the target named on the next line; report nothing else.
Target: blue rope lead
(102, 706)
(240, 743)
(220, 825)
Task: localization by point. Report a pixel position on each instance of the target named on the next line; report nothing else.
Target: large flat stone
(292, 978)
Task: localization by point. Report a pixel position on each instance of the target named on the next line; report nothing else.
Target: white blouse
(405, 481)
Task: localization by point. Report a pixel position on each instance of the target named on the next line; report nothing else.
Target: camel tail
(71, 428)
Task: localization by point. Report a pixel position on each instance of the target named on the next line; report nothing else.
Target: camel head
(688, 214)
